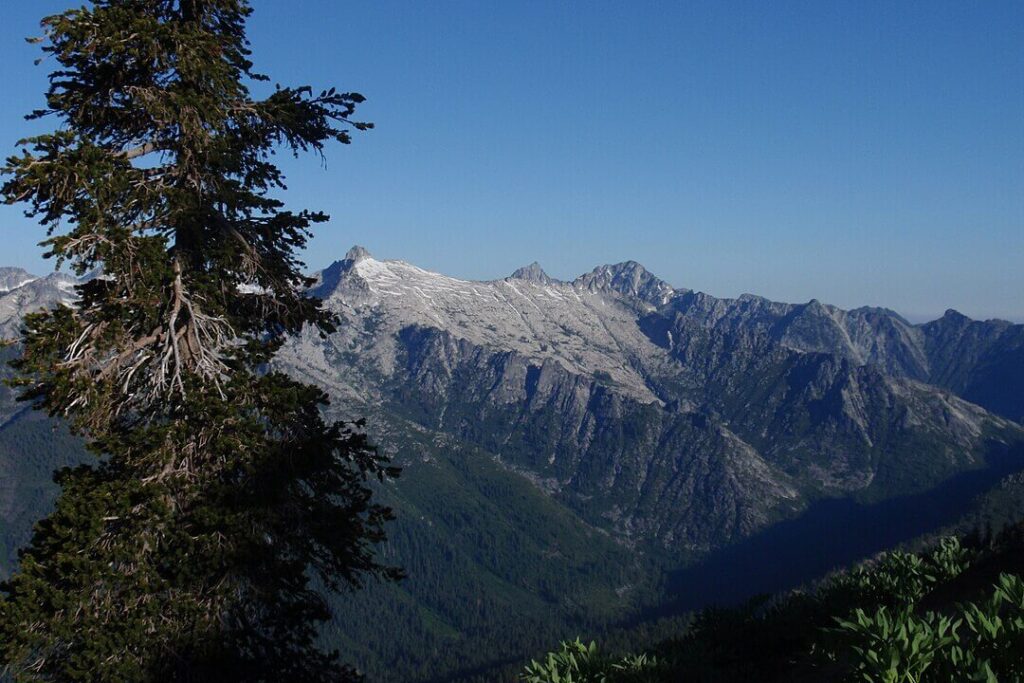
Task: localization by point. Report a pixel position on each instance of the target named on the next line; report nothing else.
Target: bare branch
(136, 152)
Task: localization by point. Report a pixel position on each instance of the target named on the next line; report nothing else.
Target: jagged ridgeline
(611, 449)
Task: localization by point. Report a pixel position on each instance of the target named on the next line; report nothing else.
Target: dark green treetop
(184, 553)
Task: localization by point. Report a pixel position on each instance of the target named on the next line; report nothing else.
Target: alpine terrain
(609, 450)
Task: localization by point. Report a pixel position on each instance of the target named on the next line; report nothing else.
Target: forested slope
(951, 612)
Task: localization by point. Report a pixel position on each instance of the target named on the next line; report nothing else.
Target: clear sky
(855, 152)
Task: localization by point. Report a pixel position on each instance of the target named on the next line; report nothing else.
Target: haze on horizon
(857, 153)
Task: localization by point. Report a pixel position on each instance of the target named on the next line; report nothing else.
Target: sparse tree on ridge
(186, 551)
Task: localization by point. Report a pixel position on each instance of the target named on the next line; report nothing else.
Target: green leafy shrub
(929, 617)
(901, 578)
(576, 662)
(895, 646)
(978, 642)
(994, 632)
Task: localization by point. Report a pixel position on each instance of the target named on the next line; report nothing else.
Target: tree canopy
(186, 551)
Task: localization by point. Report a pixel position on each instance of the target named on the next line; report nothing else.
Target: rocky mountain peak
(951, 322)
(329, 278)
(357, 253)
(21, 292)
(12, 278)
(879, 312)
(953, 315)
(533, 273)
(628, 278)
(815, 306)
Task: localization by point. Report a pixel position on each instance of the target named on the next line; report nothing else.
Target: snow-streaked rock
(585, 328)
(29, 293)
(656, 413)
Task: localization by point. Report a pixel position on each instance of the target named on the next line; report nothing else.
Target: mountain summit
(12, 278)
(533, 273)
(659, 415)
(22, 292)
(357, 253)
(629, 279)
(556, 437)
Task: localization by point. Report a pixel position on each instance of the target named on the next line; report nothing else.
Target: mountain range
(573, 452)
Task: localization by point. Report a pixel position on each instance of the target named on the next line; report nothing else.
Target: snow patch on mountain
(587, 330)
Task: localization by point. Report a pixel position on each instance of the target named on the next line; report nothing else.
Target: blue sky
(860, 153)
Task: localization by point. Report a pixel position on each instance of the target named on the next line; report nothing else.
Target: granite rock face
(567, 446)
(982, 361)
(13, 278)
(21, 293)
(657, 415)
(534, 273)
(660, 415)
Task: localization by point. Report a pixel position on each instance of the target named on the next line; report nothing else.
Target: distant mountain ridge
(563, 443)
(966, 356)
(13, 278)
(21, 293)
(768, 404)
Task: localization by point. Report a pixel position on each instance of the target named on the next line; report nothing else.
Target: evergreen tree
(187, 550)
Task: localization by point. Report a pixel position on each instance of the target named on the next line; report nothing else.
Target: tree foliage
(185, 552)
(951, 613)
(576, 662)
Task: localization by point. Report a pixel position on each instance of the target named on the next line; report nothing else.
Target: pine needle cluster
(186, 551)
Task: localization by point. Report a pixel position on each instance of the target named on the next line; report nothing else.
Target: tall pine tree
(187, 550)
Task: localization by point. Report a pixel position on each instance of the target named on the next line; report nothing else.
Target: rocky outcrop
(533, 273)
(662, 415)
(28, 293)
(628, 279)
(659, 415)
